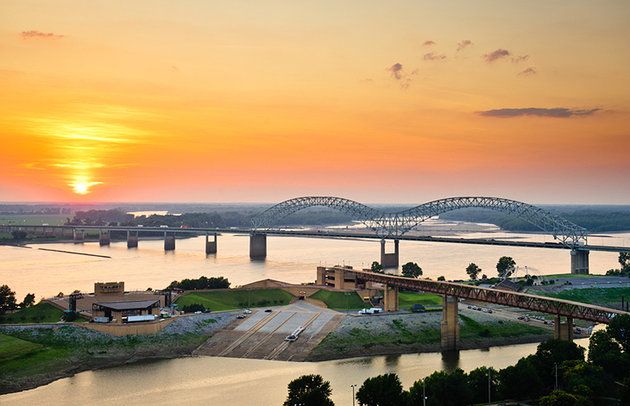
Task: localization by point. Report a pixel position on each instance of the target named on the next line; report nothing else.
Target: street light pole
(424, 394)
(555, 366)
(353, 386)
(489, 388)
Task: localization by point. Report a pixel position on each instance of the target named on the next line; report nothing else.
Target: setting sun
(82, 185)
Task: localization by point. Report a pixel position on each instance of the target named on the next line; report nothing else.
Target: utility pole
(424, 394)
(489, 388)
(353, 386)
(555, 365)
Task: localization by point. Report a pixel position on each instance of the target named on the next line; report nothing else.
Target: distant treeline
(593, 218)
(201, 283)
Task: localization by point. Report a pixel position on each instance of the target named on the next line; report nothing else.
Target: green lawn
(340, 300)
(21, 358)
(470, 328)
(407, 299)
(12, 347)
(236, 298)
(40, 313)
(599, 296)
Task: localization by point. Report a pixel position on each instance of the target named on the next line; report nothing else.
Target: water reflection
(450, 360)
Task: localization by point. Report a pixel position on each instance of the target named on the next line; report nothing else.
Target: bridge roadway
(557, 307)
(317, 234)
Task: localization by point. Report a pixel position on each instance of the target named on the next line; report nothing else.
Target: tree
(505, 266)
(309, 390)
(376, 267)
(512, 378)
(411, 270)
(7, 299)
(18, 235)
(583, 378)
(382, 390)
(442, 388)
(478, 384)
(624, 261)
(605, 352)
(473, 270)
(552, 353)
(441, 278)
(562, 398)
(619, 329)
(29, 300)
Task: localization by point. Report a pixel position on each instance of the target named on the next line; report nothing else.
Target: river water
(236, 382)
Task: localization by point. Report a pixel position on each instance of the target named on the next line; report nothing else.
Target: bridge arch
(391, 225)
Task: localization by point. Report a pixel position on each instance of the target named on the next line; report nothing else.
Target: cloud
(556, 112)
(396, 70)
(432, 56)
(33, 34)
(428, 43)
(528, 72)
(463, 44)
(496, 55)
(521, 58)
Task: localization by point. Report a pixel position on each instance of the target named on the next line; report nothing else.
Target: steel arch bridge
(391, 225)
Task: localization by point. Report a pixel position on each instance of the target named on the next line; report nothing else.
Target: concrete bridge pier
(390, 299)
(132, 239)
(169, 242)
(450, 324)
(78, 236)
(103, 237)
(579, 261)
(563, 330)
(211, 246)
(389, 260)
(257, 246)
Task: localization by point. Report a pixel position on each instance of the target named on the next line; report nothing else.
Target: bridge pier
(169, 242)
(450, 324)
(211, 246)
(563, 330)
(579, 261)
(390, 299)
(257, 246)
(78, 236)
(390, 260)
(103, 237)
(132, 239)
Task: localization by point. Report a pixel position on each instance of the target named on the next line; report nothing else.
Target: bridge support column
(78, 236)
(103, 238)
(132, 239)
(169, 242)
(450, 324)
(389, 260)
(257, 246)
(563, 330)
(579, 261)
(211, 246)
(390, 299)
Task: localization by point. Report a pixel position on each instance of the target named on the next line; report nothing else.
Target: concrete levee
(579, 261)
(257, 246)
(390, 260)
(450, 324)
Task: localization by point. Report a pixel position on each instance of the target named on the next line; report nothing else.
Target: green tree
(441, 278)
(512, 380)
(376, 267)
(583, 378)
(562, 398)
(552, 353)
(605, 352)
(505, 266)
(382, 390)
(624, 261)
(29, 300)
(442, 389)
(7, 299)
(411, 270)
(309, 390)
(18, 235)
(473, 270)
(619, 329)
(478, 384)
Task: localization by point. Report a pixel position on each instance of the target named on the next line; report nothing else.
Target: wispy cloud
(461, 45)
(496, 55)
(528, 72)
(34, 34)
(397, 72)
(428, 43)
(521, 58)
(556, 112)
(433, 56)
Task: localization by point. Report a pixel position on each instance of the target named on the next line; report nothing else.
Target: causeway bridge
(381, 225)
(453, 292)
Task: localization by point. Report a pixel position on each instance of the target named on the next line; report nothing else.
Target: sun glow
(82, 185)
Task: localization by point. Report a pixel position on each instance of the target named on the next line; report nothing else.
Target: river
(236, 382)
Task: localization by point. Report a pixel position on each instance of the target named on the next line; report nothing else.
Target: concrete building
(336, 278)
(118, 312)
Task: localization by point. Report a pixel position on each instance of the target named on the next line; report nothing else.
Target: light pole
(489, 389)
(555, 367)
(424, 394)
(353, 386)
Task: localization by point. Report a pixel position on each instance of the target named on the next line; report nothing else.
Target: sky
(261, 101)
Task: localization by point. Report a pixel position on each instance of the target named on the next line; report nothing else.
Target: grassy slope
(407, 299)
(472, 329)
(235, 299)
(600, 296)
(21, 358)
(340, 300)
(40, 313)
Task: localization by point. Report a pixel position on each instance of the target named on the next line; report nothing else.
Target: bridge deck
(526, 301)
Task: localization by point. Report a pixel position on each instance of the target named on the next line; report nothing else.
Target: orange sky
(262, 101)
